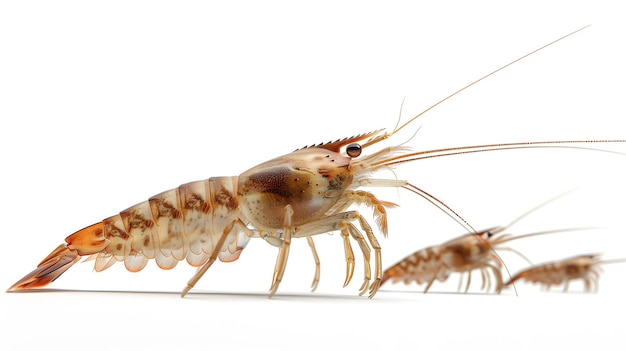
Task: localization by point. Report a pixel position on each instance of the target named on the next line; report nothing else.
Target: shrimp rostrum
(586, 268)
(299, 195)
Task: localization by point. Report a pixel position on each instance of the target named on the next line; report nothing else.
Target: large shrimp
(464, 254)
(298, 195)
(582, 267)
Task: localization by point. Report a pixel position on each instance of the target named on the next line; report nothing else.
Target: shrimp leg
(316, 277)
(218, 248)
(283, 252)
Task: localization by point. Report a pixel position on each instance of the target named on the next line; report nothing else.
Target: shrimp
(297, 195)
(584, 267)
(463, 254)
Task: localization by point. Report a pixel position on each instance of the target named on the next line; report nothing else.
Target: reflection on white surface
(105, 105)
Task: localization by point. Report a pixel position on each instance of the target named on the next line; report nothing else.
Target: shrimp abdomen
(178, 224)
(420, 267)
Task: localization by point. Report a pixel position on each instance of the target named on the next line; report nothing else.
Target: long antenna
(387, 135)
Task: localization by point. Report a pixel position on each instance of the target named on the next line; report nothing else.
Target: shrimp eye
(353, 150)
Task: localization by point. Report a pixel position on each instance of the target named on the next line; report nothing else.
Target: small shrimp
(464, 254)
(584, 267)
(298, 195)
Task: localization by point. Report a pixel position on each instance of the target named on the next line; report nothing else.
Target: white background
(105, 104)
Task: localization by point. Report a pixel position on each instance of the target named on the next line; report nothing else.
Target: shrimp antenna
(527, 213)
(387, 135)
(400, 114)
(440, 205)
(465, 150)
(614, 260)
